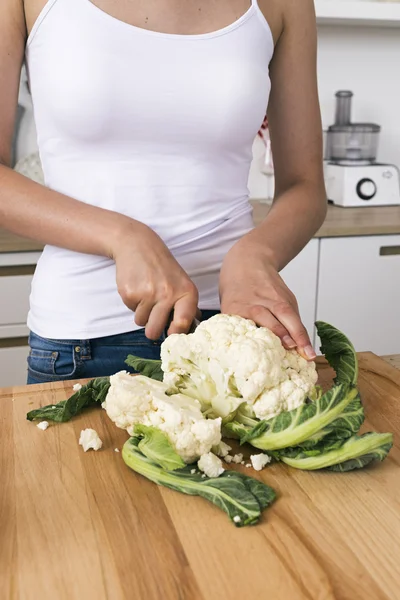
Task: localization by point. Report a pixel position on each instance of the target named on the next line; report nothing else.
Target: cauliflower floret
(211, 465)
(90, 440)
(140, 400)
(222, 449)
(228, 360)
(259, 461)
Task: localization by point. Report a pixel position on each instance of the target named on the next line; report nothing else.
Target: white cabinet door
(301, 276)
(359, 290)
(13, 366)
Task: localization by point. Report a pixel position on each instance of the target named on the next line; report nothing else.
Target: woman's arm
(300, 205)
(149, 279)
(250, 283)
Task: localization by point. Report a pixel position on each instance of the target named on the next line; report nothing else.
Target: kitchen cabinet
(16, 272)
(359, 290)
(301, 276)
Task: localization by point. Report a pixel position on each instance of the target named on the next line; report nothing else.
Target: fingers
(185, 311)
(263, 317)
(290, 319)
(157, 320)
(143, 311)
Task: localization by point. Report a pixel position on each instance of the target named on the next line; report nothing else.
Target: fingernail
(288, 341)
(309, 352)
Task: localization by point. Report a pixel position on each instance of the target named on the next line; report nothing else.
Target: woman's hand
(151, 282)
(251, 287)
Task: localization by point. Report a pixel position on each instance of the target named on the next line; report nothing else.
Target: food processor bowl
(348, 142)
(356, 142)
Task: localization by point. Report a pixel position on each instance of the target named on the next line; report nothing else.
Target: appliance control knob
(366, 189)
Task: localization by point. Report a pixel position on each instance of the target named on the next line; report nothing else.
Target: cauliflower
(229, 361)
(140, 400)
(43, 425)
(211, 465)
(222, 449)
(259, 461)
(89, 439)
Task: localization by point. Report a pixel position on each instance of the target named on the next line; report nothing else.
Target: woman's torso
(151, 123)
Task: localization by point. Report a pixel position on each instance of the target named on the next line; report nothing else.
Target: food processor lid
(355, 128)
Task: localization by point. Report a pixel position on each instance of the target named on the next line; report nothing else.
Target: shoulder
(282, 14)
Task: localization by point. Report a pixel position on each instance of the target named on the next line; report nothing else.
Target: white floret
(222, 449)
(259, 461)
(43, 425)
(90, 440)
(237, 459)
(229, 360)
(77, 387)
(140, 400)
(211, 465)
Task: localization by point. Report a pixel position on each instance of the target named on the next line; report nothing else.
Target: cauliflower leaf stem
(156, 446)
(354, 453)
(296, 426)
(236, 494)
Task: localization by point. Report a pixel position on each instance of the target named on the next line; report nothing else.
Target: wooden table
(76, 525)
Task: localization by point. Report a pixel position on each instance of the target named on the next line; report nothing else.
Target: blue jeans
(61, 360)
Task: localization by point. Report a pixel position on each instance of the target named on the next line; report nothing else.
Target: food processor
(352, 175)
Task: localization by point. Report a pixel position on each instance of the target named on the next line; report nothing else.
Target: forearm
(295, 216)
(34, 211)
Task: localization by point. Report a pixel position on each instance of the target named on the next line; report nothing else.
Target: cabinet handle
(389, 250)
(13, 342)
(17, 270)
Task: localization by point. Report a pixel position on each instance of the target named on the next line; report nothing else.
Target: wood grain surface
(342, 222)
(77, 525)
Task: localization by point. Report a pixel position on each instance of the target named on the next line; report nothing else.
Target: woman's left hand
(251, 287)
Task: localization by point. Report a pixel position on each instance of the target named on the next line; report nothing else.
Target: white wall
(365, 60)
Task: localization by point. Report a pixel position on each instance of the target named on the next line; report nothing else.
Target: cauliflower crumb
(211, 465)
(228, 458)
(242, 463)
(116, 450)
(248, 465)
(193, 471)
(43, 425)
(204, 476)
(259, 461)
(222, 449)
(77, 387)
(237, 519)
(89, 439)
(237, 458)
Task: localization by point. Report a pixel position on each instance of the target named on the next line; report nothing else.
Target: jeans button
(77, 349)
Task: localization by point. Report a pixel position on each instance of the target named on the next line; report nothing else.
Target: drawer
(13, 365)
(15, 288)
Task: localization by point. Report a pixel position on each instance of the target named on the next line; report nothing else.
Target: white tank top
(156, 126)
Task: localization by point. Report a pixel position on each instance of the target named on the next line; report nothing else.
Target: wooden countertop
(339, 222)
(381, 220)
(76, 525)
(9, 242)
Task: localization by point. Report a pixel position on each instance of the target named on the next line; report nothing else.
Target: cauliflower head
(229, 361)
(135, 400)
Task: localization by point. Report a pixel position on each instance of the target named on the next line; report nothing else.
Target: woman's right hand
(151, 282)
